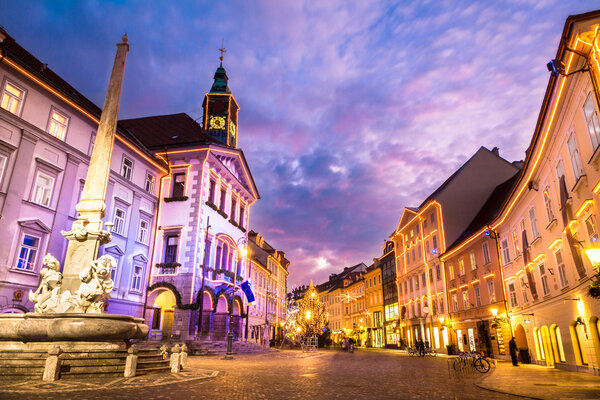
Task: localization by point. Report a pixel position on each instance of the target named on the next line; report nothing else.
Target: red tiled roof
(167, 130)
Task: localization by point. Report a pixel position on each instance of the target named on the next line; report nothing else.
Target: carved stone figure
(46, 295)
(95, 287)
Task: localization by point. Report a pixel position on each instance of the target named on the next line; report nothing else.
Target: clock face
(232, 128)
(217, 122)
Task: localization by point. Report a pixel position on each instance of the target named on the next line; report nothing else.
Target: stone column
(131, 362)
(175, 354)
(87, 235)
(53, 363)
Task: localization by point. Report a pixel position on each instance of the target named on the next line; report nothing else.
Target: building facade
(268, 270)
(424, 233)
(374, 306)
(391, 316)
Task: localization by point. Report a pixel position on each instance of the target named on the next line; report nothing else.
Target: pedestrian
(512, 347)
(421, 348)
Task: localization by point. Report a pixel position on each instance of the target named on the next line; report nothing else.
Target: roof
(167, 130)
(490, 209)
(445, 184)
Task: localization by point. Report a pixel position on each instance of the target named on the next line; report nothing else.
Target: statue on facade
(46, 296)
(96, 285)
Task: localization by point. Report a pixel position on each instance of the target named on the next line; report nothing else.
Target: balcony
(168, 268)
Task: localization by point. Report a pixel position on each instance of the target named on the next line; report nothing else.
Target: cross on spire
(223, 51)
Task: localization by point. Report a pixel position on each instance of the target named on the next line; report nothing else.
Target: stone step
(99, 368)
(76, 362)
(23, 354)
(145, 365)
(155, 370)
(5, 362)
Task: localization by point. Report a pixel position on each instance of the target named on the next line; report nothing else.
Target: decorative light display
(305, 317)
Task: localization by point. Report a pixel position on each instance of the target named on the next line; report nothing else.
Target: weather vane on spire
(223, 51)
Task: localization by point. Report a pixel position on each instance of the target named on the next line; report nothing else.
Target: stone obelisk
(87, 234)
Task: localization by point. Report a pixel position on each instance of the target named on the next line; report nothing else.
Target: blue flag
(247, 291)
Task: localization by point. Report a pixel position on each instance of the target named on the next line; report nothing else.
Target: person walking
(421, 348)
(512, 347)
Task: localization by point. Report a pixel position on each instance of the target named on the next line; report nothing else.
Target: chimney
(496, 151)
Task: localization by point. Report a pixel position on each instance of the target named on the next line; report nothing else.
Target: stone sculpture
(46, 295)
(94, 290)
(95, 287)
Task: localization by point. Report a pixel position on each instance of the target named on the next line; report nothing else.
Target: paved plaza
(368, 374)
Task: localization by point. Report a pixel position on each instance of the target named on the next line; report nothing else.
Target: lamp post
(241, 245)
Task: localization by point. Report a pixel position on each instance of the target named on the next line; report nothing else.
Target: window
(465, 296)
(420, 252)
(126, 168)
(211, 191)
(486, 254)
(477, 295)
(233, 207)
(505, 252)
(425, 223)
(222, 199)
(491, 291)
(58, 124)
(560, 266)
(524, 291)
(405, 287)
(28, 252)
(454, 303)
(143, 231)
(574, 156)
(533, 221)
(548, 203)
(42, 189)
(472, 258)
(431, 275)
(149, 183)
(451, 271)
(516, 243)
(427, 247)
(512, 294)
(416, 282)
(136, 280)
(12, 98)
(178, 185)
(560, 171)
(442, 305)
(590, 225)
(171, 244)
(432, 217)
(461, 267)
(438, 273)
(434, 240)
(423, 280)
(410, 283)
(591, 118)
(413, 254)
(119, 221)
(544, 277)
(3, 163)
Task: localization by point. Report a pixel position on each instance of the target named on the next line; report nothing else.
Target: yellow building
(374, 306)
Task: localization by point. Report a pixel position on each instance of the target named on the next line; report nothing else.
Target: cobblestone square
(326, 374)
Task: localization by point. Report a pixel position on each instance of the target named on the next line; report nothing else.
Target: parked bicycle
(412, 351)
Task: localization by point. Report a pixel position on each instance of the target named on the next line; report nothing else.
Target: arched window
(577, 339)
(539, 346)
(559, 352)
(224, 262)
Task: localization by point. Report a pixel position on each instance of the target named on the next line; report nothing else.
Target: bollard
(175, 353)
(183, 356)
(53, 362)
(164, 351)
(131, 362)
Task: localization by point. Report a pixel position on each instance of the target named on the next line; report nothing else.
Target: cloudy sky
(349, 110)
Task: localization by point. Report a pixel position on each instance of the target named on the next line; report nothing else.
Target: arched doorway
(522, 346)
(207, 307)
(221, 319)
(236, 322)
(161, 317)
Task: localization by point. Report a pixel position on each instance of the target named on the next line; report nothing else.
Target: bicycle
(412, 351)
(481, 364)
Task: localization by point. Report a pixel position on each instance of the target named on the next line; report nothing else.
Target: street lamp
(242, 251)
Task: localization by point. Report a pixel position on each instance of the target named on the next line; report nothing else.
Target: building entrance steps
(206, 347)
(539, 382)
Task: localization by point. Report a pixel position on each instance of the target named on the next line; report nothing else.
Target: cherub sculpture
(46, 296)
(96, 285)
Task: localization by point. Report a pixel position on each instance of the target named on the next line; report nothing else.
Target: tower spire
(223, 51)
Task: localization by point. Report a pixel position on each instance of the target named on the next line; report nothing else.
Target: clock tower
(221, 109)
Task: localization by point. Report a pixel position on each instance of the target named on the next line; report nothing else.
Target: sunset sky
(349, 110)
